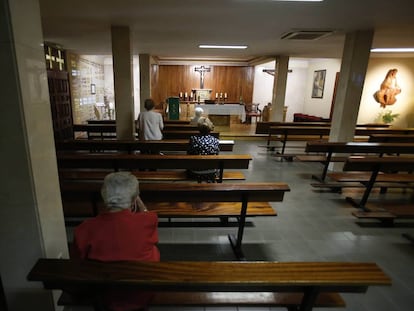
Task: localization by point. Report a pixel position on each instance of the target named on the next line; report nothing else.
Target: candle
(221, 95)
(225, 95)
(216, 95)
(181, 94)
(185, 95)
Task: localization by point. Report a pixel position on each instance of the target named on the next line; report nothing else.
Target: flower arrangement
(388, 117)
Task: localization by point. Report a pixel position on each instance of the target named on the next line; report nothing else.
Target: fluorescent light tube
(393, 50)
(210, 46)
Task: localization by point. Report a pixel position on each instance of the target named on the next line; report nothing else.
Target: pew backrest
(197, 276)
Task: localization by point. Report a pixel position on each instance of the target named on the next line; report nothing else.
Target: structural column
(279, 88)
(123, 82)
(351, 81)
(145, 78)
(31, 215)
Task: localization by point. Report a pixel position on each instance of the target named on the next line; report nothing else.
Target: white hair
(119, 190)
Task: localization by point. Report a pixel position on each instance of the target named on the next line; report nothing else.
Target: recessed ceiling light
(209, 46)
(300, 0)
(393, 50)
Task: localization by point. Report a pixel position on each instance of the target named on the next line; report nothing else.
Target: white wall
(263, 84)
(321, 107)
(298, 97)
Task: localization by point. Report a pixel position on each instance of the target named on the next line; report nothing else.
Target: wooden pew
(330, 148)
(89, 193)
(133, 162)
(131, 146)
(263, 127)
(392, 138)
(166, 122)
(180, 127)
(319, 131)
(287, 131)
(375, 166)
(96, 131)
(206, 281)
(184, 134)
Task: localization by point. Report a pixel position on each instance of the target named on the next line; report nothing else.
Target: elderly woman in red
(124, 231)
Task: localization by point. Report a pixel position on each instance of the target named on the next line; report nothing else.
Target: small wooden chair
(252, 110)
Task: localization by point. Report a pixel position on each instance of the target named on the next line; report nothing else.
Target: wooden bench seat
(310, 279)
(184, 134)
(133, 162)
(364, 177)
(79, 208)
(142, 175)
(334, 148)
(220, 299)
(392, 138)
(318, 132)
(376, 165)
(131, 146)
(87, 193)
(318, 158)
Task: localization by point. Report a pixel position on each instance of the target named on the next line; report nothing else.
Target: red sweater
(119, 236)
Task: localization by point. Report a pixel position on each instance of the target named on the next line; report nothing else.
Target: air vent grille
(306, 34)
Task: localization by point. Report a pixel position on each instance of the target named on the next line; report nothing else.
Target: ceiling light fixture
(299, 0)
(393, 50)
(210, 46)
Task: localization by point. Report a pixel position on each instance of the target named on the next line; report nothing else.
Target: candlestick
(185, 95)
(221, 95)
(225, 95)
(216, 95)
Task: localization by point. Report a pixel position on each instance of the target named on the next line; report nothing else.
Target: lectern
(173, 108)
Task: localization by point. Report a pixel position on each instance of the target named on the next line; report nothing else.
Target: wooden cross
(202, 70)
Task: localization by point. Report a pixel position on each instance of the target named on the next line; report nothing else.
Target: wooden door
(60, 103)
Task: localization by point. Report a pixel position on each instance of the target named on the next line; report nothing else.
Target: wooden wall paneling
(170, 80)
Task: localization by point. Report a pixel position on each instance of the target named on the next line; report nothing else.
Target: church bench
(176, 175)
(330, 148)
(375, 166)
(313, 281)
(133, 162)
(101, 131)
(263, 127)
(166, 122)
(290, 301)
(180, 127)
(130, 146)
(181, 134)
(286, 132)
(392, 138)
(87, 193)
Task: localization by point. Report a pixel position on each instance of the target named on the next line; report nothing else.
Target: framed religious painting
(318, 83)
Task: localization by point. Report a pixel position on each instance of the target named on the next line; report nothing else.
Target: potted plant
(388, 117)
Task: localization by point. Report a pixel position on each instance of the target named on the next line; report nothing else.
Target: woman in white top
(149, 124)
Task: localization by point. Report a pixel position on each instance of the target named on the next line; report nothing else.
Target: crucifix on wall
(202, 70)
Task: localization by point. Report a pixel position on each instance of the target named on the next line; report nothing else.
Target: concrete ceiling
(171, 30)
